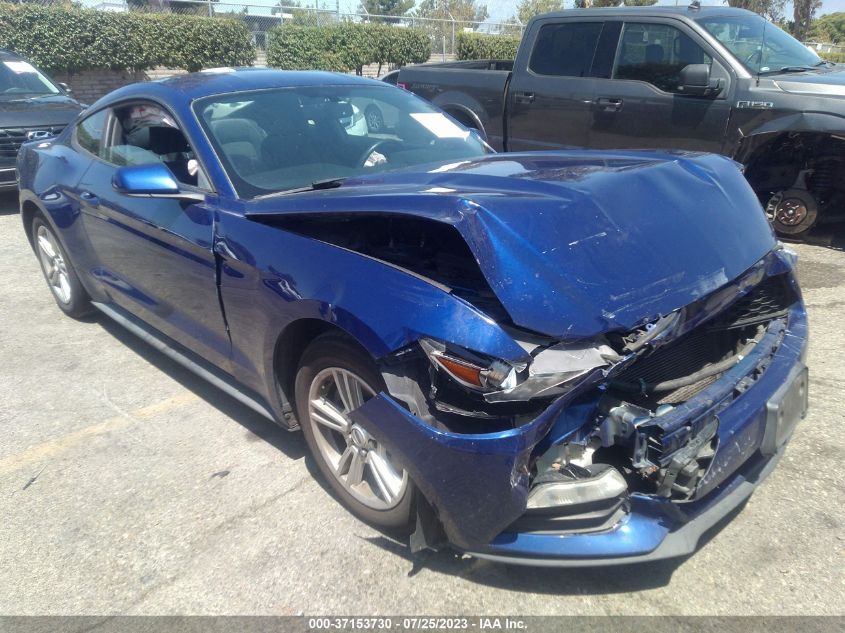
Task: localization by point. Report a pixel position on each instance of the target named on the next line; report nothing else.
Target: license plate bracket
(785, 409)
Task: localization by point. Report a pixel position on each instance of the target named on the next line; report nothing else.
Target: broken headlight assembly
(553, 370)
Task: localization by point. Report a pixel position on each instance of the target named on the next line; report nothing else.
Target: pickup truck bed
(474, 90)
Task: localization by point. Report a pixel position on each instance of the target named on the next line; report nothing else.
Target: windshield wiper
(328, 183)
(789, 69)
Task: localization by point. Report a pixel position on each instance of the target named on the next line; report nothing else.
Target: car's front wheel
(58, 271)
(335, 378)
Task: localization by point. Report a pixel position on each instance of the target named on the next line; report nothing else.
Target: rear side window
(566, 49)
(656, 53)
(89, 133)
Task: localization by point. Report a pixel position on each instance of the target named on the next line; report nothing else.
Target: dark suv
(32, 106)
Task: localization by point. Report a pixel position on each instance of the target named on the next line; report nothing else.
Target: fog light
(608, 484)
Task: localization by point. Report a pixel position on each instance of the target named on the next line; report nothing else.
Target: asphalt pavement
(128, 486)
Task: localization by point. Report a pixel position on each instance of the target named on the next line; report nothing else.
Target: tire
(341, 455)
(793, 213)
(375, 119)
(58, 271)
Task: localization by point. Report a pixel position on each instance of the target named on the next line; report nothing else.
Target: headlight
(476, 373)
(553, 371)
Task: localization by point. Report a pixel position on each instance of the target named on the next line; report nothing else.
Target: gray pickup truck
(713, 79)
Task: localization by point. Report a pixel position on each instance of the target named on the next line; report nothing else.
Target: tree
(829, 28)
(772, 10)
(385, 7)
(527, 9)
(460, 10)
(588, 4)
(803, 13)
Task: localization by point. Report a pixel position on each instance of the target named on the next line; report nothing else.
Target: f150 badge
(755, 105)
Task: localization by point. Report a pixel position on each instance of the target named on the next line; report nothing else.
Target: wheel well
(463, 118)
(291, 345)
(774, 162)
(28, 212)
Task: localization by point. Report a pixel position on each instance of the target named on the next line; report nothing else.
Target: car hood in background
(37, 111)
(823, 82)
(575, 243)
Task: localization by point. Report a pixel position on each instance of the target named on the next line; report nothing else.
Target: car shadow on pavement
(545, 580)
(8, 202)
(292, 445)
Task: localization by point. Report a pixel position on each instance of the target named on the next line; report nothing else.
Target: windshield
(19, 78)
(290, 138)
(744, 36)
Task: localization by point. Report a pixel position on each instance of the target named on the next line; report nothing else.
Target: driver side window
(143, 134)
(656, 53)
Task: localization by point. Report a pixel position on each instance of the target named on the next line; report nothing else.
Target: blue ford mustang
(568, 358)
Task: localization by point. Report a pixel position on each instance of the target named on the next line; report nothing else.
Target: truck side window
(566, 49)
(656, 53)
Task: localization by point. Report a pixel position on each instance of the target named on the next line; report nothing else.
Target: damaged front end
(599, 451)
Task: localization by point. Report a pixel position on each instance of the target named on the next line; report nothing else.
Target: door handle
(90, 198)
(609, 104)
(523, 97)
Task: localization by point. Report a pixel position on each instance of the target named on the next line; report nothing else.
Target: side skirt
(204, 370)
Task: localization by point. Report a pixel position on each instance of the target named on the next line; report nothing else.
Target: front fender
(270, 278)
(797, 122)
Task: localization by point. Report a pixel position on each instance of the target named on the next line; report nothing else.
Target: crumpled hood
(576, 243)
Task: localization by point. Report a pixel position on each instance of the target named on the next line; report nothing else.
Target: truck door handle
(523, 97)
(609, 104)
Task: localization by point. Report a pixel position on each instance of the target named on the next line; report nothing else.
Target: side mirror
(695, 81)
(151, 181)
(66, 88)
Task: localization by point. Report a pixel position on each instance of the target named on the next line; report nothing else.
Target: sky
(499, 10)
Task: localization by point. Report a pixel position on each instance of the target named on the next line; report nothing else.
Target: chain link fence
(442, 30)
(822, 47)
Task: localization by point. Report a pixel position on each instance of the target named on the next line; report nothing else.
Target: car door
(551, 91)
(154, 255)
(640, 106)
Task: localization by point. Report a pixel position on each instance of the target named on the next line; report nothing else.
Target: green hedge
(345, 47)
(485, 46)
(838, 58)
(65, 39)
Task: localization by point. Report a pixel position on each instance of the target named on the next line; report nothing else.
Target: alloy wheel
(55, 268)
(361, 465)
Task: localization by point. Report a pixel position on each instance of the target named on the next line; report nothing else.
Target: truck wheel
(792, 212)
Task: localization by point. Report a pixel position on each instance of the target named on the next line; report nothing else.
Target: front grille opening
(11, 139)
(769, 300)
(709, 346)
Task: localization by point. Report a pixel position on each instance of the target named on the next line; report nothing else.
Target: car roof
(189, 87)
(5, 53)
(652, 11)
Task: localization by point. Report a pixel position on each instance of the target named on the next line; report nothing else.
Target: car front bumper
(478, 484)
